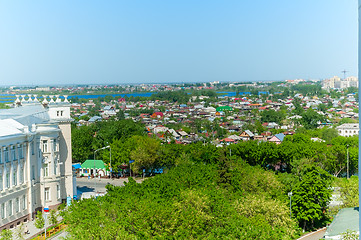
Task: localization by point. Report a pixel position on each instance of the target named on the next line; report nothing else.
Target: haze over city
(115, 42)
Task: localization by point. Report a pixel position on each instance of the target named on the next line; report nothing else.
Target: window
(7, 179)
(20, 151)
(45, 146)
(17, 205)
(47, 194)
(55, 145)
(55, 166)
(32, 148)
(15, 176)
(24, 202)
(13, 155)
(6, 154)
(3, 210)
(58, 191)
(33, 172)
(46, 169)
(21, 174)
(1, 157)
(10, 208)
(1, 182)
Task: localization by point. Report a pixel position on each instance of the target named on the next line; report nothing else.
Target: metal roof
(346, 219)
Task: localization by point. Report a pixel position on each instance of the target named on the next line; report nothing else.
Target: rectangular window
(21, 174)
(7, 179)
(24, 202)
(47, 194)
(10, 208)
(46, 169)
(6, 154)
(45, 146)
(17, 205)
(34, 199)
(3, 210)
(1, 182)
(32, 148)
(55, 166)
(55, 145)
(58, 191)
(1, 156)
(33, 172)
(20, 151)
(13, 155)
(15, 176)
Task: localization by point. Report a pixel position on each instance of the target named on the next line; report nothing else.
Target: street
(85, 185)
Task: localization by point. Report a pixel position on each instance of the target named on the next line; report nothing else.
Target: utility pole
(290, 195)
(347, 163)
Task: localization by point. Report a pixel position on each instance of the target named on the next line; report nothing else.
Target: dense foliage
(191, 201)
(232, 192)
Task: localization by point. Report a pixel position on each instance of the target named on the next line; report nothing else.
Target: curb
(311, 233)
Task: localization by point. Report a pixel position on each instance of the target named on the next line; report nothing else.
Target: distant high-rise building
(338, 83)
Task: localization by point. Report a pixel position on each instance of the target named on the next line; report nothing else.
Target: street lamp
(110, 163)
(347, 163)
(290, 195)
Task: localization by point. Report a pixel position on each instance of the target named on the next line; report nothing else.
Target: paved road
(85, 185)
(316, 235)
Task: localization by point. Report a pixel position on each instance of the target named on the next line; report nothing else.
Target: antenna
(344, 74)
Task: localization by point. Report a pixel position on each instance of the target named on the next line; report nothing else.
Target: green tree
(39, 220)
(272, 116)
(349, 191)
(328, 134)
(311, 197)
(53, 217)
(311, 119)
(20, 232)
(145, 155)
(6, 234)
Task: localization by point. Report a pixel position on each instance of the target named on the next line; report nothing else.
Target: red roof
(227, 140)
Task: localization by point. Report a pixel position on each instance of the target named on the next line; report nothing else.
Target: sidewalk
(33, 231)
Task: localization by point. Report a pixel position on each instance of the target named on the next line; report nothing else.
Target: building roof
(280, 136)
(98, 164)
(224, 108)
(346, 218)
(249, 133)
(348, 126)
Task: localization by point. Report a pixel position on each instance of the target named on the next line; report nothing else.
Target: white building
(35, 158)
(338, 83)
(348, 129)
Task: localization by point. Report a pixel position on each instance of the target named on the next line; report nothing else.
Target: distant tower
(344, 74)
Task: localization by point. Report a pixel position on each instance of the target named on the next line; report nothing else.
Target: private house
(35, 158)
(247, 135)
(278, 138)
(157, 115)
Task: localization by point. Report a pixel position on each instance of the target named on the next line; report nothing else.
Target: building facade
(348, 129)
(35, 158)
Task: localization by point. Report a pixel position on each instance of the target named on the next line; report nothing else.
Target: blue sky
(141, 41)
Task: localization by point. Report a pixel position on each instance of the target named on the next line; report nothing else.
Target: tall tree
(311, 197)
